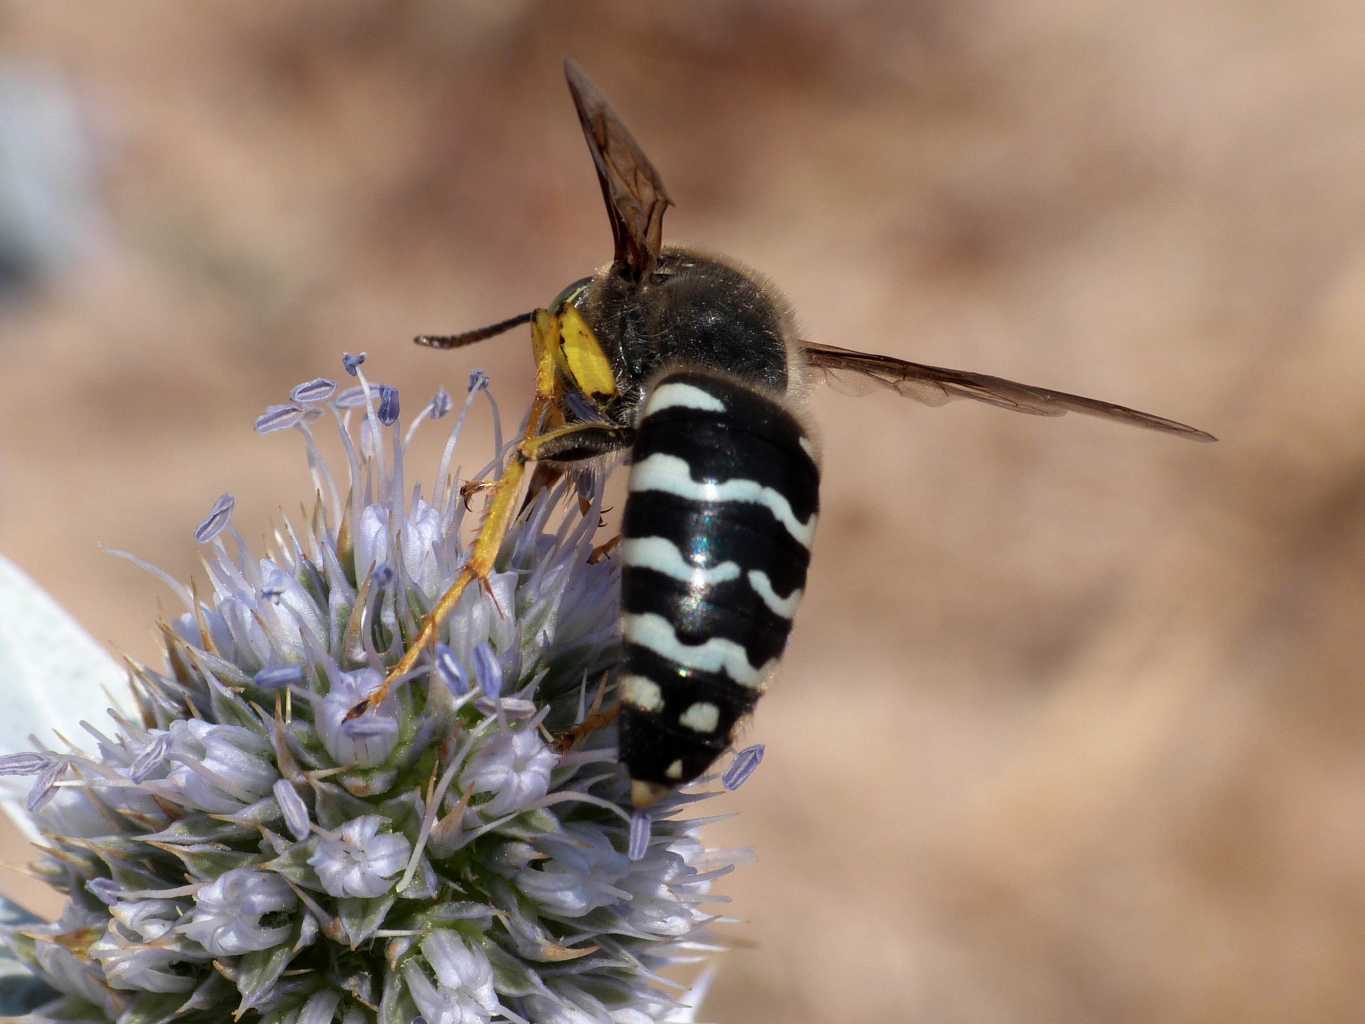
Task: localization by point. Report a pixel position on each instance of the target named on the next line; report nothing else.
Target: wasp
(692, 364)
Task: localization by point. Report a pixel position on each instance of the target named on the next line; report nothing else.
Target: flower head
(244, 844)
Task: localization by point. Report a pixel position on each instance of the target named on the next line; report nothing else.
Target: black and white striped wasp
(692, 364)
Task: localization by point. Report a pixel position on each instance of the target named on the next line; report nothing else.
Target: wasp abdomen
(724, 492)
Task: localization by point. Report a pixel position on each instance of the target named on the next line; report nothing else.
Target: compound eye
(571, 295)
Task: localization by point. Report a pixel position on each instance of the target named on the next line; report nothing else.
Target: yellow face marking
(588, 366)
(545, 350)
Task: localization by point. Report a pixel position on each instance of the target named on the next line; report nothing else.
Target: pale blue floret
(461, 991)
(362, 742)
(228, 912)
(514, 767)
(359, 860)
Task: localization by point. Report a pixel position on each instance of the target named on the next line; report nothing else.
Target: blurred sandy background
(1071, 729)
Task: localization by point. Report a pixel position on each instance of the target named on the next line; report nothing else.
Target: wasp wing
(935, 385)
(634, 193)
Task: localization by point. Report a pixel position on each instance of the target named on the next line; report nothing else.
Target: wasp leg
(565, 742)
(594, 719)
(472, 487)
(603, 551)
(545, 477)
(568, 443)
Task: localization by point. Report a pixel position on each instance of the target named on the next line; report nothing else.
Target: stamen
(45, 785)
(382, 575)
(448, 453)
(317, 465)
(441, 405)
(319, 389)
(24, 764)
(278, 417)
(367, 726)
(217, 519)
(746, 762)
(478, 381)
(388, 404)
(351, 398)
(279, 678)
(488, 670)
(638, 845)
(448, 667)
(351, 361)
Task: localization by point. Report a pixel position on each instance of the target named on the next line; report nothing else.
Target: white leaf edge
(53, 674)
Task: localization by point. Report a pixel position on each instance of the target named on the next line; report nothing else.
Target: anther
(448, 667)
(278, 417)
(319, 389)
(488, 670)
(24, 764)
(638, 844)
(278, 678)
(217, 519)
(351, 398)
(441, 404)
(746, 762)
(388, 404)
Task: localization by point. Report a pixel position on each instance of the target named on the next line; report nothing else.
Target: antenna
(447, 341)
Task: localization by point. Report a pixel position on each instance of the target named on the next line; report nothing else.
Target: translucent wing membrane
(634, 193)
(851, 371)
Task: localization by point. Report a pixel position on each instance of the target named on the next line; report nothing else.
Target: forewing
(935, 385)
(634, 193)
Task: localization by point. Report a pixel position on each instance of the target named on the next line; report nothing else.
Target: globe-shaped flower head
(242, 846)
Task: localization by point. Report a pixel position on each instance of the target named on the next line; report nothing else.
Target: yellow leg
(560, 441)
(503, 504)
(479, 567)
(502, 509)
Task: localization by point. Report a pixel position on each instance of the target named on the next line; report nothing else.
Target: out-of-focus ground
(1072, 725)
